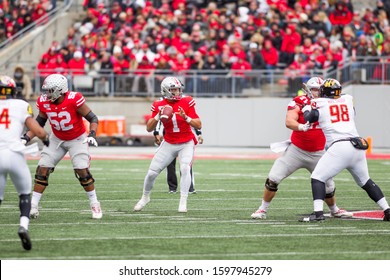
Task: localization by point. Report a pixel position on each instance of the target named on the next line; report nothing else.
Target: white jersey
(13, 114)
(336, 117)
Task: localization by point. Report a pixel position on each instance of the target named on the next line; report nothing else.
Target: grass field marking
(200, 256)
(276, 235)
(328, 228)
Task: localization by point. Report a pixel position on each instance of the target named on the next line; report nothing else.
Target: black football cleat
(313, 218)
(387, 215)
(25, 238)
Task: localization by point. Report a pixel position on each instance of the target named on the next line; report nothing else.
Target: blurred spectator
(256, 60)
(23, 83)
(341, 14)
(77, 64)
(240, 70)
(66, 54)
(142, 77)
(59, 66)
(120, 64)
(43, 67)
(290, 40)
(296, 72)
(39, 13)
(270, 56)
(71, 38)
(357, 24)
(197, 63)
(105, 63)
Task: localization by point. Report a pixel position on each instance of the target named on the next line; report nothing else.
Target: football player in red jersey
(179, 140)
(64, 110)
(303, 150)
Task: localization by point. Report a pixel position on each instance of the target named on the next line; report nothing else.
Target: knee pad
(331, 194)
(42, 179)
(271, 185)
(85, 181)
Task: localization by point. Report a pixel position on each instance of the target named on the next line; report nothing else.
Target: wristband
(92, 133)
(157, 117)
(25, 137)
(188, 119)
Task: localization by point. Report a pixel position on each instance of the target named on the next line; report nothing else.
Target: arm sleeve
(311, 116)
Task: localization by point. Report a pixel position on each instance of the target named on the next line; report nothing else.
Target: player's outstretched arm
(30, 134)
(35, 128)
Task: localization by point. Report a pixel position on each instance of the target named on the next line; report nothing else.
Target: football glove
(25, 139)
(91, 139)
(46, 141)
(304, 127)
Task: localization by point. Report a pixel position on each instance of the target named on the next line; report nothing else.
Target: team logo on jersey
(46, 106)
(29, 110)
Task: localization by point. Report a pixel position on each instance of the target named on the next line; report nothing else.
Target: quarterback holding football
(179, 140)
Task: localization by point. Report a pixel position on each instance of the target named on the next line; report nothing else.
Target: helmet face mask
(331, 88)
(312, 87)
(172, 88)
(7, 87)
(54, 86)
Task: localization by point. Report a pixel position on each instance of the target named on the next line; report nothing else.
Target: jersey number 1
(4, 118)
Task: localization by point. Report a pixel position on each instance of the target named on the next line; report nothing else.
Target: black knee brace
(271, 185)
(373, 191)
(42, 179)
(85, 181)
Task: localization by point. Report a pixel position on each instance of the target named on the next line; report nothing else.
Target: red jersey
(312, 140)
(177, 130)
(64, 120)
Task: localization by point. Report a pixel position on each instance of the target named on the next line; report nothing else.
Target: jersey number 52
(60, 121)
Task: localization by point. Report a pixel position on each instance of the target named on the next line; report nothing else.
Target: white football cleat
(145, 199)
(34, 213)
(341, 213)
(259, 215)
(96, 210)
(183, 205)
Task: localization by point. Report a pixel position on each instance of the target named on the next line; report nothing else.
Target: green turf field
(217, 225)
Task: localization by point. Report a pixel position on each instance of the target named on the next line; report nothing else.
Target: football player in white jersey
(346, 150)
(14, 115)
(303, 150)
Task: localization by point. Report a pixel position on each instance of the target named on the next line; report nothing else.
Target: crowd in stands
(19, 15)
(182, 35)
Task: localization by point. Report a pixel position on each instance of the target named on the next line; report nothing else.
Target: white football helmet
(54, 86)
(312, 87)
(170, 83)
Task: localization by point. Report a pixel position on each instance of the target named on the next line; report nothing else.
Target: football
(166, 113)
